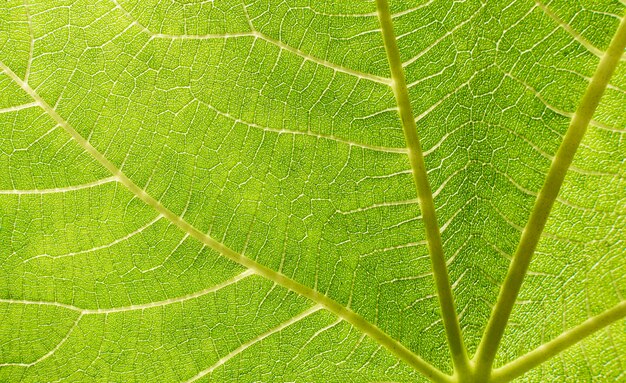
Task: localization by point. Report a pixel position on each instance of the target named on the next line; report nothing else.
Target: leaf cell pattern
(222, 190)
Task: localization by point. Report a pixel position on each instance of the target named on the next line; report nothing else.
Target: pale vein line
(536, 93)
(440, 39)
(443, 139)
(444, 227)
(31, 48)
(252, 342)
(17, 107)
(340, 311)
(209, 36)
(444, 98)
(395, 247)
(346, 15)
(567, 339)
(316, 334)
(567, 28)
(83, 312)
(564, 113)
(603, 126)
(51, 352)
(411, 10)
(64, 189)
(40, 303)
(317, 60)
(308, 133)
(379, 205)
(259, 35)
(152, 34)
(143, 306)
(361, 15)
(170, 301)
(449, 178)
(101, 247)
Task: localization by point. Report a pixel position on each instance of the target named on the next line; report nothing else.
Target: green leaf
(275, 191)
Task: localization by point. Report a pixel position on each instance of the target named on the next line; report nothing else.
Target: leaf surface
(226, 191)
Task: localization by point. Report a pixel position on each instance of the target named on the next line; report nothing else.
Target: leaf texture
(223, 191)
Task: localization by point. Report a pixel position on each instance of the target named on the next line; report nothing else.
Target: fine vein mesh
(494, 86)
(236, 152)
(579, 270)
(271, 126)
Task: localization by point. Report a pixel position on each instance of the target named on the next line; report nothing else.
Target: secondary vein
(257, 35)
(329, 304)
(424, 193)
(543, 204)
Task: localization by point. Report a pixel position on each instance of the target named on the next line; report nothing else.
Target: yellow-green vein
(424, 193)
(532, 232)
(342, 312)
(555, 346)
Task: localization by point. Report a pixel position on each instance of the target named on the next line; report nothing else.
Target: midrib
(532, 232)
(424, 193)
(329, 304)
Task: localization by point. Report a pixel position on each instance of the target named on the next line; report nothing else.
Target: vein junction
(339, 310)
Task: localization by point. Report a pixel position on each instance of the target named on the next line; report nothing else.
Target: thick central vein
(567, 339)
(543, 204)
(329, 304)
(424, 193)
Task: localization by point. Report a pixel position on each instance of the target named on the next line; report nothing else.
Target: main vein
(342, 312)
(556, 174)
(424, 193)
(558, 344)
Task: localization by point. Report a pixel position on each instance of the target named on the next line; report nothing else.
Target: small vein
(335, 67)
(603, 126)
(567, 28)
(101, 247)
(170, 301)
(259, 35)
(144, 306)
(31, 48)
(308, 133)
(52, 351)
(440, 39)
(18, 107)
(64, 189)
(564, 113)
(252, 342)
(83, 312)
(444, 98)
(379, 205)
(411, 10)
(40, 303)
